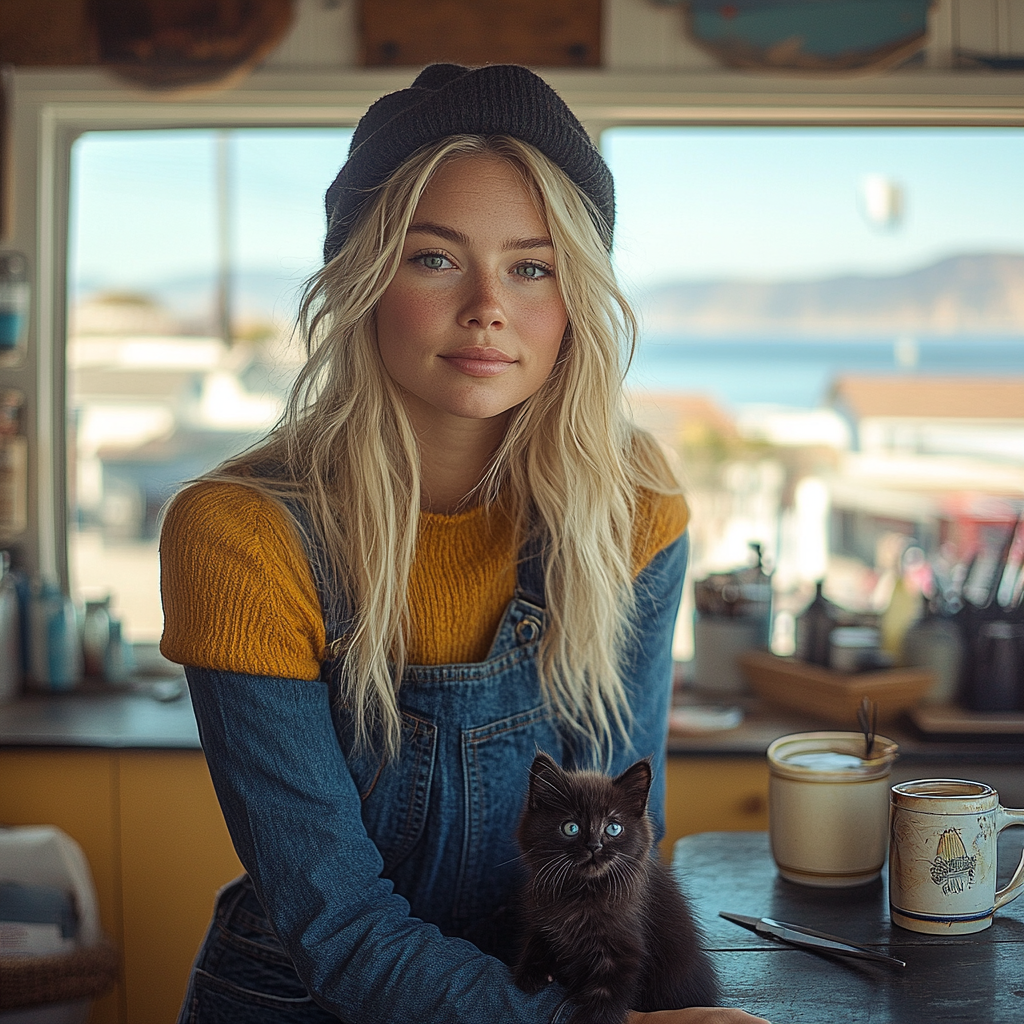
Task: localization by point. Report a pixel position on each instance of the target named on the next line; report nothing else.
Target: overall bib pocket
(496, 761)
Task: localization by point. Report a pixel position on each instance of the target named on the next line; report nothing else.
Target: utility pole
(224, 289)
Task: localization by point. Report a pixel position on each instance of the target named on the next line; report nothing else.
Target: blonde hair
(569, 465)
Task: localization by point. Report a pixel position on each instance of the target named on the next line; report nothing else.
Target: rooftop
(974, 398)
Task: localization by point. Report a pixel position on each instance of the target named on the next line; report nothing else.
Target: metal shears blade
(808, 938)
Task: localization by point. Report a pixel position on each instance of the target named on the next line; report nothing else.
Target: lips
(479, 362)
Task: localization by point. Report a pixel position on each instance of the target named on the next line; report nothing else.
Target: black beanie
(448, 99)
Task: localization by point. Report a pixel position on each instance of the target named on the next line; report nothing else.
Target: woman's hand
(695, 1015)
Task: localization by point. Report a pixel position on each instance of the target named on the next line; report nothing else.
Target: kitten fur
(599, 915)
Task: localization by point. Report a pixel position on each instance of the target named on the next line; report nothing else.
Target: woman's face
(472, 322)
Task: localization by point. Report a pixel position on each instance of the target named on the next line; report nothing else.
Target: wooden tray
(833, 696)
(950, 720)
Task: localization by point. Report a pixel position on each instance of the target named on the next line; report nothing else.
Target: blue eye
(533, 271)
(613, 829)
(570, 828)
(433, 261)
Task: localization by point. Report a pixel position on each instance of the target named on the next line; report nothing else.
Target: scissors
(808, 938)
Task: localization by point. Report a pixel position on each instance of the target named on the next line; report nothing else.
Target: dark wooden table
(963, 979)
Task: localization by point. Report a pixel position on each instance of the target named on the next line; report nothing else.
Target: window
(779, 271)
(188, 252)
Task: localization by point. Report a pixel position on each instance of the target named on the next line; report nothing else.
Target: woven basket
(60, 977)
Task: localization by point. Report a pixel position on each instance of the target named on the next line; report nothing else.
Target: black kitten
(599, 914)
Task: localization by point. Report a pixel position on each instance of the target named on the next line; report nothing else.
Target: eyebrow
(459, 238)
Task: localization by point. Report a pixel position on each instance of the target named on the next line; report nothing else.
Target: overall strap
(333, 603)
(530, 568)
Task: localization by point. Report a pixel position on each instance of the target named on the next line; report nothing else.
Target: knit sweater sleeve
(237, 589)
(660, 519)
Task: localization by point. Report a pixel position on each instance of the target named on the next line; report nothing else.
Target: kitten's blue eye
(570, 828)
(613, 829)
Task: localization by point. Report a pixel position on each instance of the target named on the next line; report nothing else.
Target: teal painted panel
(807, 33)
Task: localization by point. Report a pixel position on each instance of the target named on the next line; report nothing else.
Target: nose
(482, 307)
(594, 845)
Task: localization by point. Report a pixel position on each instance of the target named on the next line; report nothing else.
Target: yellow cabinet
(175, 855)
(714, 794)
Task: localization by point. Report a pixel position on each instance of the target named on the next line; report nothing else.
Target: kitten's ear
(635, 784)
(544, 780)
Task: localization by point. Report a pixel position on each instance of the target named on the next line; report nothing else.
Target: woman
(453, 551)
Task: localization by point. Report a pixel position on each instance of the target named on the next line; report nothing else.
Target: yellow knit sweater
(239, 595)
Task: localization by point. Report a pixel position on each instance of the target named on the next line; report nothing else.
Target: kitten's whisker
(546, 877)
(615, 873)
(611, 883)
(558, 876)
(628, 877)
(564, 875)
(520, 856)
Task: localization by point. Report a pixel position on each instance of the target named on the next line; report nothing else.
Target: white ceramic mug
(942, 856)
(828, 807)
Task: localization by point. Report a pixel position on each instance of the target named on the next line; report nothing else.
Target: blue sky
(143, 203)
(693, 203)
(697, 203)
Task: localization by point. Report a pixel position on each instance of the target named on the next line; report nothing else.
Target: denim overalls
(389, 884)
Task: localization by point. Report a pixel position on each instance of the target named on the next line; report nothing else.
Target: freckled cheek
(408, 322)
(543, 330)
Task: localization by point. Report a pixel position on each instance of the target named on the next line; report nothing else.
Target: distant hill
(970, 294)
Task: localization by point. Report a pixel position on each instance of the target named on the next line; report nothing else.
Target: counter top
(158, 714)
(153, 715)
(762, 723)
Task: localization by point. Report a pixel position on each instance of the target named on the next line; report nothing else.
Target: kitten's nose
(594, 845)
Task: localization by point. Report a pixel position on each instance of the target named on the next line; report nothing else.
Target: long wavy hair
(569, 465)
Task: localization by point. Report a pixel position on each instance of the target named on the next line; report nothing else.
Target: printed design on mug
(952, 866)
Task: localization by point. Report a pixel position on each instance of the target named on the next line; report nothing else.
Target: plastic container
(856, 649)
(15, 298)
(10, 634)
(55, 651)
(935, 643)
(118, 662)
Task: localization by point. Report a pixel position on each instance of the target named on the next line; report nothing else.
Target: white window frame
(51, 109)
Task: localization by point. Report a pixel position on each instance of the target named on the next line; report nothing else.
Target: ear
(634, 785)
(545, 777)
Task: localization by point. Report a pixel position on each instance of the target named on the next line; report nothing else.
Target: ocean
(743, 371)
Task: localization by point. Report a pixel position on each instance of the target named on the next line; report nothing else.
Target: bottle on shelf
(813, 628)
(95, 636)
